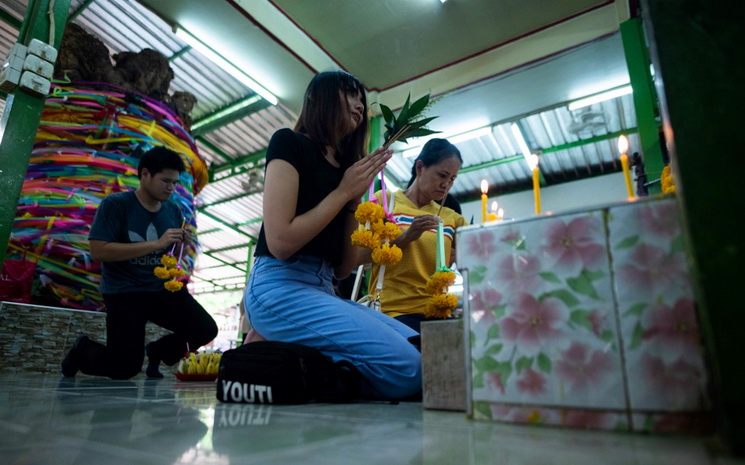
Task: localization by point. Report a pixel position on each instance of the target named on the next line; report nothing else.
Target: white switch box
(9, 78)
(34, 84)
(38, 66)
(42, 50)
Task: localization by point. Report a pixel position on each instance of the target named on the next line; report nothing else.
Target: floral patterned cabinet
(584, 319)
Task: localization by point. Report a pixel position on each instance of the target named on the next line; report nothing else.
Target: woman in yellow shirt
(415, 212)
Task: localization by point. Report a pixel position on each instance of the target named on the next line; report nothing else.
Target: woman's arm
(287, 233)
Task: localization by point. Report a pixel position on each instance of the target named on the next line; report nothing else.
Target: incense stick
(442, 202)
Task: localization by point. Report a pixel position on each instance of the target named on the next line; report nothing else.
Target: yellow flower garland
(171, 272)
(668, 184)
(441, 304)
(387, 254)
(373, 231)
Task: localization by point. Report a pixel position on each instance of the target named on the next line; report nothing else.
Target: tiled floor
(45, 419)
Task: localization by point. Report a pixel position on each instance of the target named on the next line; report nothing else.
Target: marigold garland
(173, 285)
(374, 233)
(169, 261)
(170, 271)
(441, 304)
(387, 254)
(365, 238)
(668, 185)
(439, 282)
(369, 212)
(162, 272)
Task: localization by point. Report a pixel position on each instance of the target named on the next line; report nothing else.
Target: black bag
(270, 372)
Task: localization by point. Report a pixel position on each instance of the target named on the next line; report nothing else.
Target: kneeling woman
(315, 178)
(415, 210)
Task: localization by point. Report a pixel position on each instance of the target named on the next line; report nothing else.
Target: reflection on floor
(46, 419)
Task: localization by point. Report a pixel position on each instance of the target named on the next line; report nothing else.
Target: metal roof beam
(225, 262)
(236, 166)
(10, 19)
(226, 224)
(228, 114)
(80, 9)
(218, 151)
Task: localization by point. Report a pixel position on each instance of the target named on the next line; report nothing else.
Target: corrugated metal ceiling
(573, 144)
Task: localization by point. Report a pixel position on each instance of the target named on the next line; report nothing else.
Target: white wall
(575, 195)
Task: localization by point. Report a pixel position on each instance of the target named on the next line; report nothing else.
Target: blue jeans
(293, 301)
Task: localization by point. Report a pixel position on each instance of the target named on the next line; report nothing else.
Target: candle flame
(494, 206)
(533, 161)
(623, 144)
(484, 186)
(500, 213)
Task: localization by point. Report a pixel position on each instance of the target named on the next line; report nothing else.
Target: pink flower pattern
(588, 419)
(533, 325)
(481, 245)
(573, 246)
(649, 272)
(582, 369)
(659, 220)
(680, 382)
(571, 365)
(672, 331)
(483, 303)
(531, 382)
(494, 380)
(519, 272)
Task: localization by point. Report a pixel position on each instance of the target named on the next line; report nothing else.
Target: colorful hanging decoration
(87, 147)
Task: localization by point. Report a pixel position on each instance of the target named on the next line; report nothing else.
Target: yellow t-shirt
(404, 282)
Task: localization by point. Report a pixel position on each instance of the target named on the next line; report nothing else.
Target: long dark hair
(433, 152)
(320, 118)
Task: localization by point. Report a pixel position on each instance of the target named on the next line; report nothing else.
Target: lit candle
(493, 213)
(623, 147)
(500, 214)
(484, 190)
(536, 183)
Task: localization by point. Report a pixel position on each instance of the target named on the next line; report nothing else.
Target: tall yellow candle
(536, 184)
(484, 190)
(623, 147)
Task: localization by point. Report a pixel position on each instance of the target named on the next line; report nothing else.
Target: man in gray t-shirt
(130, 233)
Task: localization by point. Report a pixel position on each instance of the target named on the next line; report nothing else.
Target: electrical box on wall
(30, 67)
(34, 84)
(42, 50)
(10, 74)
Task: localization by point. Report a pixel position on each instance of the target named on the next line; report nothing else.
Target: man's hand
(189, 236)
(171, 236)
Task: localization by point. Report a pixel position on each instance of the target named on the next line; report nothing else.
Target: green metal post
(693, 44)
(22, 114)
(645, 99)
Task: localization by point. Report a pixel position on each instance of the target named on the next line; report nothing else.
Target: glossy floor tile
(45, 419)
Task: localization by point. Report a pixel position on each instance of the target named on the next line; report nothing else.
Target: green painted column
(693, 45)
(22, 114)
(645, 99)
